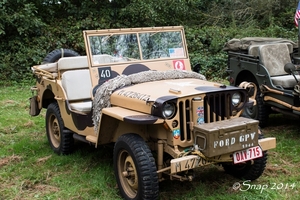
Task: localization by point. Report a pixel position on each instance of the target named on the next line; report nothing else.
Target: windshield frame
(165, 43)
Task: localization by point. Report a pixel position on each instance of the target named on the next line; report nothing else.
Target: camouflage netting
(102, 96)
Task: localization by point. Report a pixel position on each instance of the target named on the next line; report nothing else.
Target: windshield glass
(132, 47)
(161, 45)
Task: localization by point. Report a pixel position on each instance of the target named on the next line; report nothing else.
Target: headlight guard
(165, 107)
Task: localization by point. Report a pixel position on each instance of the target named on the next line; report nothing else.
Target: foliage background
(30, 29)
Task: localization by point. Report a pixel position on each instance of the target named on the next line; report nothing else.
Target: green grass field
(30, 170)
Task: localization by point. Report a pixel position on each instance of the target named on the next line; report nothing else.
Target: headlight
(168, 110)
(236, 99)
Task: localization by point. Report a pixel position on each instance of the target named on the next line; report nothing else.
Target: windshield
(161, 45)
(131, 47)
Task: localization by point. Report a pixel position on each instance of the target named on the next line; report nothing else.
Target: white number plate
(184, 163)
(247, 154)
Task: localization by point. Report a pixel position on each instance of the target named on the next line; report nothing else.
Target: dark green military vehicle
(271, 64)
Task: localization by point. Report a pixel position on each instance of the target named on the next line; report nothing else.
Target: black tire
(60, 139)
(135, 168)
(259, 112)
(263, 111)
(250, 170)
(56, 54)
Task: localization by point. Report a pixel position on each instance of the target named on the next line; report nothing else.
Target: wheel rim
(54, 131)
(127, 174)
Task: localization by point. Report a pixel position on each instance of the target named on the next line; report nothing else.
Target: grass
(30, 170)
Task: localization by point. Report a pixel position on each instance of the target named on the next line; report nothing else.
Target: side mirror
(197, 68)
(289, 68)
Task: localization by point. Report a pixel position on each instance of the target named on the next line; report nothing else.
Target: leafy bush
(31, 29)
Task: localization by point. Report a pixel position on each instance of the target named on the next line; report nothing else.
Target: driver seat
(274, 57)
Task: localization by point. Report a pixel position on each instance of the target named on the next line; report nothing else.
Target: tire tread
(146, 164)
(67, 141)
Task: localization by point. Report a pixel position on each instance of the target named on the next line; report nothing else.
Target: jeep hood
(137, 97)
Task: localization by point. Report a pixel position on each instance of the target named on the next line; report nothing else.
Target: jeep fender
(131, 116)
(116, 121)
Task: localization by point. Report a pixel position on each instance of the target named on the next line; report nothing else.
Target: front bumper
(217, 142)
(197, 159)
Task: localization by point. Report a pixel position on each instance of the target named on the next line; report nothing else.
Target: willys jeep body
(271, 64)
(135, 89)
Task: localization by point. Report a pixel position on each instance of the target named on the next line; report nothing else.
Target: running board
(88, 139)
(91, 138)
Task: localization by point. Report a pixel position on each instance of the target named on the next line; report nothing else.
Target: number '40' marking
(104, 73)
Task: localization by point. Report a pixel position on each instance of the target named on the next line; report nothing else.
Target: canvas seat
(75, 62)
(274, 57)
(254, 49)
(77, 85)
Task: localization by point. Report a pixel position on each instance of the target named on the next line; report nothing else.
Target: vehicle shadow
(279, 125)
(280, 120)
(209, 181)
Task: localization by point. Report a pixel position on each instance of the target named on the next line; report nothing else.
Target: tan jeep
(135, 89)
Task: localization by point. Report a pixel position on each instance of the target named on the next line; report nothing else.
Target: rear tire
(60, 139)
(135, 168)
(56, 54)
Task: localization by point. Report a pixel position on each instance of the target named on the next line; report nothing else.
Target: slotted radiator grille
(217, 107)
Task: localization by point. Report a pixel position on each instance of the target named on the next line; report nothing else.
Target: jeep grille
(217, 107)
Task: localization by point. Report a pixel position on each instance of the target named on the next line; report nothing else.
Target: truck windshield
(161, 45)
(130, 47)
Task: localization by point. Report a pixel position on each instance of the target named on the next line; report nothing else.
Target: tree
(29, 29)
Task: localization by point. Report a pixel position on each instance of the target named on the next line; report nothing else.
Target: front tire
(135, 168)
(250, 170)
(259, 111)
(60, 139)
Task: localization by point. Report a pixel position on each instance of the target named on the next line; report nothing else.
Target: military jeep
(272, 65)
(135, 89)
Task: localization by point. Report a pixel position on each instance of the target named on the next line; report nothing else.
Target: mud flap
(33, 106)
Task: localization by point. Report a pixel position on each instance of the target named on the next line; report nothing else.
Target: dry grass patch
(44, 159)
(32, 190)
(10, 159)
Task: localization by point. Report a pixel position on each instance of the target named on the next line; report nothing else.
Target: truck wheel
(259, 111)
(263, 111)
(56, 54)
(135, 168)
(60, 139)
(250, 170)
